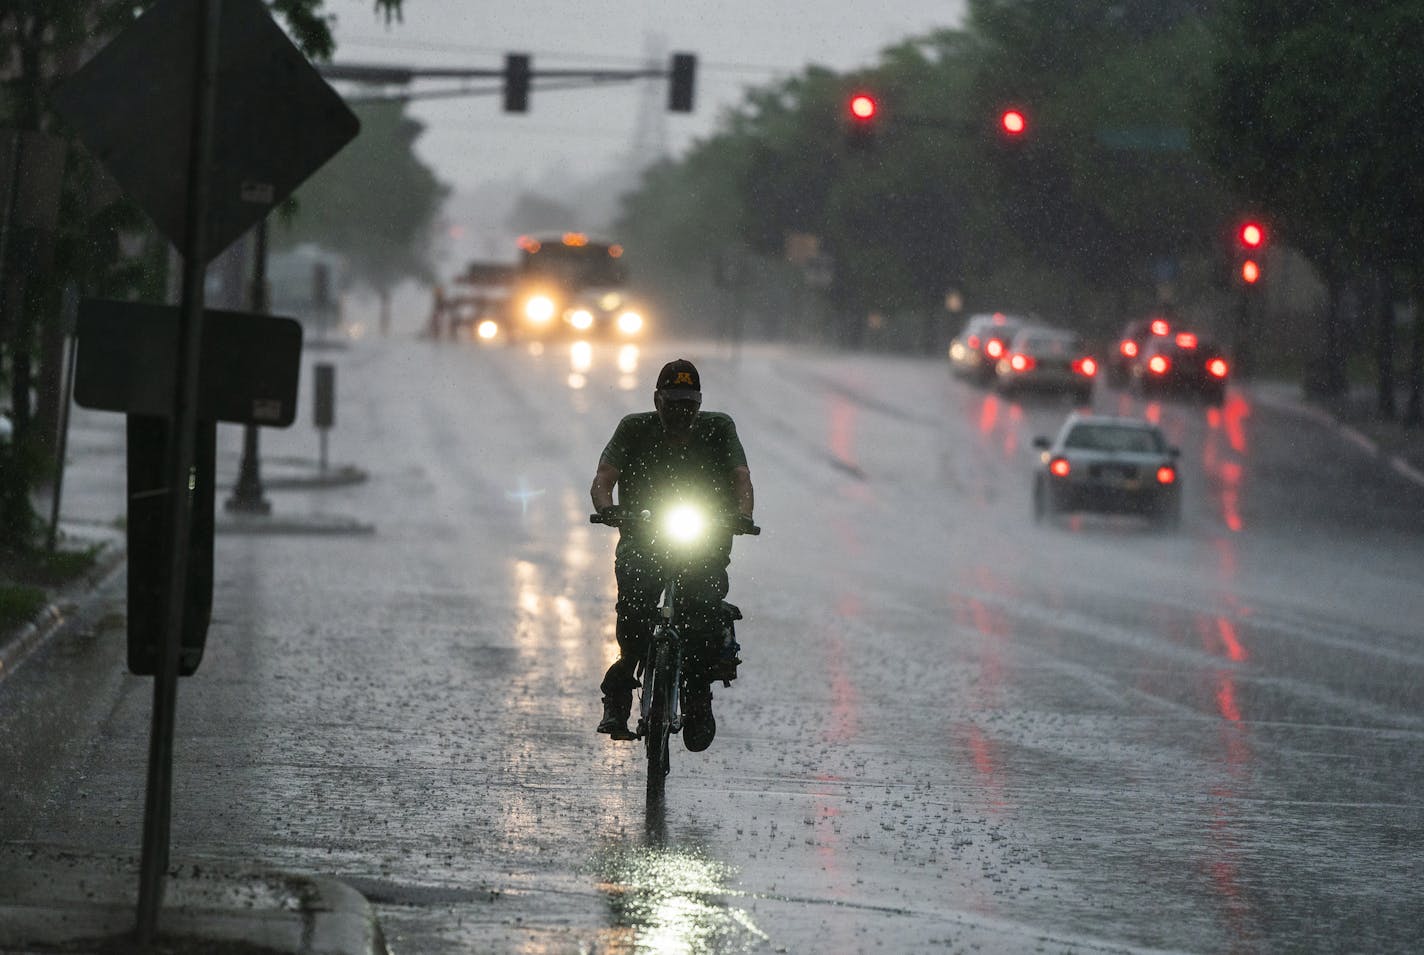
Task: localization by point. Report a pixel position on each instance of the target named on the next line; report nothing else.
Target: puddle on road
(670, 898)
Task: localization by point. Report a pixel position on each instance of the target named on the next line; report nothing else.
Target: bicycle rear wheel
(659, 723)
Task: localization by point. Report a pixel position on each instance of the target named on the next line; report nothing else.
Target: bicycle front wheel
(659, 726)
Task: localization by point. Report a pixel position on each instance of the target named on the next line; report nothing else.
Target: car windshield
(1111, 437)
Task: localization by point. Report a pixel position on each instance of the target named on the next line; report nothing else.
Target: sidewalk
(1355, 419)
(56, 900)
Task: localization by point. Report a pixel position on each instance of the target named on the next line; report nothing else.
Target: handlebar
(737, 525)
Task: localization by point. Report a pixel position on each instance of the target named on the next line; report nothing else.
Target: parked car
(976, 350)
(1105, 464)
(1130, 344)
(1047, 360)
(1183, 362)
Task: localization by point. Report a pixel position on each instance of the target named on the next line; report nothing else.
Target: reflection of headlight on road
(630, 323)
(582, 319)
(487, 329)
(684, 523)
(540, 309)
(628, 359)
(581, 356)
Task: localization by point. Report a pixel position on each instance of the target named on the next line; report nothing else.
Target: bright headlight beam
(684, 523)
(582, 319)
(630, 322)
(540, 308)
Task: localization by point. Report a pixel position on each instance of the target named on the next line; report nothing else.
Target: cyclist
(675, 451)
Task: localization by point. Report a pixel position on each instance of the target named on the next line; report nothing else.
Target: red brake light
(1020, 362)
(1217, 367)
(1166, 474)
(1128, 348)
(1159, 364)
(1059, 467)
(1086, 366)
(973, 341)
(995, 348)
(1186, 340)
(1160, 326)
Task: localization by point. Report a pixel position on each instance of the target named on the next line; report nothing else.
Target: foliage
(1067, 222)
(375, 203)
(19, 604)
(43, 41)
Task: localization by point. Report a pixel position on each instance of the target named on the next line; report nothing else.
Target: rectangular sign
(248, 372)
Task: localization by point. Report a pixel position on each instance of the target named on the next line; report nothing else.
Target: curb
(78, 594)
(58, 900)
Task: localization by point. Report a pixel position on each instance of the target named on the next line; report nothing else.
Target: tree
(1309, 116)
(375, 204)
(42, 42)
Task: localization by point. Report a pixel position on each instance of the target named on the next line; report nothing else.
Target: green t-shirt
(655, 470)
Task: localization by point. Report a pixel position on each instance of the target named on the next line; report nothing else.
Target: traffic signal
(1013, 122)
(862, 119)
(1250, 243)
(682, 80)
(516, 82)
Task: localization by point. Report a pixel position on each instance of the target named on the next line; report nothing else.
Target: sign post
(211, 95)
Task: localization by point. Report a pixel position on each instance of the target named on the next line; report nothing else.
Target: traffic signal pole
(178, 466)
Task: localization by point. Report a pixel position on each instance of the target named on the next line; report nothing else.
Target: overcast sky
(739, 43)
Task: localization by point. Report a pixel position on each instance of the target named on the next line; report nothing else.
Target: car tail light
(1059, 467)
(1217, 367)
(994, 348)
(1019, 362)
(973, 341)
(1158, 364)
(1166, 474)
(1160, 326)
(1128, 348)
(1186, 340)
(1086, 366)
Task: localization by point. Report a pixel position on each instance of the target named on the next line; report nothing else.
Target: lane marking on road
(1406, 470)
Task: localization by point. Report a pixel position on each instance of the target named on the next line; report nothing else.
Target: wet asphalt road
(954, 730)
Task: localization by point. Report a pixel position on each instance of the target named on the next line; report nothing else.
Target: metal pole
(178, 469)
(247, 496)
(65, 396)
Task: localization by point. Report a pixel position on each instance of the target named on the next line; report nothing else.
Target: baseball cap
(679, 381)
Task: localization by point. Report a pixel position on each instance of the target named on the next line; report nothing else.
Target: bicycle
(678, 530)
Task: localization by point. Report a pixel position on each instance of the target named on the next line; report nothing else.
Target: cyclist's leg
(704, 585)
(639, 585)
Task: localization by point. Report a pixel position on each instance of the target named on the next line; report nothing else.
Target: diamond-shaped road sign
(277, 121)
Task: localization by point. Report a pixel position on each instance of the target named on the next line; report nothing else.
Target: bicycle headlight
(684, 524)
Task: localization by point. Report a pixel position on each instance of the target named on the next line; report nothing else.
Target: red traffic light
(1013, 122)
(1252, 235)
(1250, 272)
(863, 106)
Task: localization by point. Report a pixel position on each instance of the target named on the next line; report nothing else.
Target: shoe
(615, 720)
(699, 727)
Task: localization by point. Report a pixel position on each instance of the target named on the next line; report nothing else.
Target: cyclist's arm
(742, 487)
(603, 482)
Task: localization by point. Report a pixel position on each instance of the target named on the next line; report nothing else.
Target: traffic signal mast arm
(680, 72)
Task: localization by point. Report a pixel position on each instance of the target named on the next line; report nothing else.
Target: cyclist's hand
(613, 514)
(745, 525)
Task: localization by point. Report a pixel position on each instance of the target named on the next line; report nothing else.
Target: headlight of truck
(539, 308)
(630, 323)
